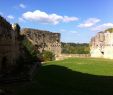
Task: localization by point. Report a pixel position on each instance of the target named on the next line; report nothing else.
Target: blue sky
(76, 20)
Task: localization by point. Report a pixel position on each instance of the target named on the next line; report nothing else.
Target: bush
(31, 53)
(47, 56)
(34, 54)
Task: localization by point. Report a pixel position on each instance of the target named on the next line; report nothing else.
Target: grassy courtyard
(75, 76)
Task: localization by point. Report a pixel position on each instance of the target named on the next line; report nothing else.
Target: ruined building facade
(44, 40)
(9, 46)
(102, 45)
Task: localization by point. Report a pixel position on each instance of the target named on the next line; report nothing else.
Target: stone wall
(44, 40)
(102, 45)
(64, 56)
(9, 46)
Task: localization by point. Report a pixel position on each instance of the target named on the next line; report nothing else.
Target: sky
(76, 20)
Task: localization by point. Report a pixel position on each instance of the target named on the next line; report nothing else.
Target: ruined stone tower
(8, 46)
(44, 40)
(102, 45)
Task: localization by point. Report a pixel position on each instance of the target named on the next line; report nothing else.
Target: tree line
(75, 48)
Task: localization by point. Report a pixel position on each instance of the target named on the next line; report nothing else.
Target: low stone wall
(64, 56)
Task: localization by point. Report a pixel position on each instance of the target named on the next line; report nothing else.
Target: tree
(48, 56)
(75, 48)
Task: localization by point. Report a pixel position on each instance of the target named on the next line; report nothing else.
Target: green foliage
(75, 48)
(47, 56)
(110, 30)
(17, 28)
(35, 54)
(30, 49)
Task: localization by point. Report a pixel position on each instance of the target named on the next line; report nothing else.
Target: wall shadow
(59, 80)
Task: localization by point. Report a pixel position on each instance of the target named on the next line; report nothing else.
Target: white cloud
(10, 17)
(22, 5)
(21, 19)
(69, 19)
(103, 27)
(70, 31)
(45, 18)
(89, 23)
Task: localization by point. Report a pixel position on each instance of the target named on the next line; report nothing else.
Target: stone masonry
(44, 40)
(9, 46)
(102, 45)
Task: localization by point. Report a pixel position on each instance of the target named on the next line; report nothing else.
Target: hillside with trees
(75, 48)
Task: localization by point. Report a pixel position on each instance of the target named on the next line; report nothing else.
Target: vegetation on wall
(110, 30)
(17, 28)
(75, 48)
(36, 54)
(29, 49)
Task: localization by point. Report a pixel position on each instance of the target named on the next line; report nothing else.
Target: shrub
(47, 56)
(35, 54)
(30, 50)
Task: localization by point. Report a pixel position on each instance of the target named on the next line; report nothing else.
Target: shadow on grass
(59, 80)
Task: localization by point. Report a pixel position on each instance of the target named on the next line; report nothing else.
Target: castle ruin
(9, 46)
(102, 45)
(44, 40)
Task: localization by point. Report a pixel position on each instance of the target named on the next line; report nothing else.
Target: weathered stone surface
(9, 46)
(44, 40)
(102, 45)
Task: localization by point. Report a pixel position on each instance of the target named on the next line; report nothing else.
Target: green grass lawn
(75, 76)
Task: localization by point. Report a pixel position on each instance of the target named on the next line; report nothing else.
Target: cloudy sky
(76, 20)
